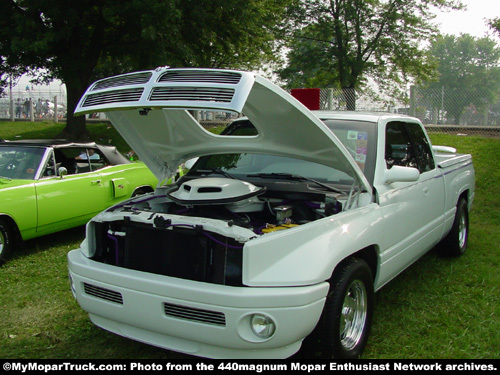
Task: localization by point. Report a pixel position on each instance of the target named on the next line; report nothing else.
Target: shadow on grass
(64, 238)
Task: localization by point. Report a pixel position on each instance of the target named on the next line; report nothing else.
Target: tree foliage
(468, 73)
(80, 41)
(495, 25)
(344, 43)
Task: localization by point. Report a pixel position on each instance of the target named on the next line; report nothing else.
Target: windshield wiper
(295, 177)
(215, 171)
(6, 178)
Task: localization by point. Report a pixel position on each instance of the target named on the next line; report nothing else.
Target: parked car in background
(283, 229)
(51, 185)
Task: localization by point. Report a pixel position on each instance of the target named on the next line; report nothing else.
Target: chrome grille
(197, 315)
(106, 294)
(199, 94)
(201, 76)
(130, 79)
(115, 96)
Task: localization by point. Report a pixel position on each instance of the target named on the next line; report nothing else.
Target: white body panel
(284, 273)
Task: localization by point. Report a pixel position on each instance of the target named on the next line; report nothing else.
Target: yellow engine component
(272, 228)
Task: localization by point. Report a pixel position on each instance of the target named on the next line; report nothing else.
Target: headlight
(262, 325)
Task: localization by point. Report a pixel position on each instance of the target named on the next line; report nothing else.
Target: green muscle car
(51, 185)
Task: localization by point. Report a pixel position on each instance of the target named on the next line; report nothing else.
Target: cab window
(407, 146)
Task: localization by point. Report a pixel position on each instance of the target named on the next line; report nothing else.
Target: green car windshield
(20, 163)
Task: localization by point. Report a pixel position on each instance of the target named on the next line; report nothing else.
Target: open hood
(149, 109)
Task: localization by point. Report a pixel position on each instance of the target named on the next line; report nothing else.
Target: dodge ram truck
(283, 229)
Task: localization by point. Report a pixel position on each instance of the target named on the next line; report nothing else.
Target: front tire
(348, 311)
(6, 241)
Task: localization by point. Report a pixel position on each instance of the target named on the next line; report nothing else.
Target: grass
(437, 309)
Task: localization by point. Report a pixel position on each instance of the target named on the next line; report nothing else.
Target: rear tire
(455, 243)
(348, 311)
(6, 241)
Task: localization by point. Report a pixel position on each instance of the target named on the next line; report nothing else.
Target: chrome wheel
(2, 242)
(347, 316)
(462, 231)
(5, 241)
(353, 315)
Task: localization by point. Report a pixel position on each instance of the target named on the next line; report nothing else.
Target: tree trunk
(350, 98)
(76, 126)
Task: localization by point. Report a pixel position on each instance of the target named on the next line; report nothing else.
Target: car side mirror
(401, 174)
(62, 172)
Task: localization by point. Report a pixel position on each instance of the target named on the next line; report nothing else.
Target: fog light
(262, 325)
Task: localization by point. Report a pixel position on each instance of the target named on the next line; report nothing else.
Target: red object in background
(308, 97)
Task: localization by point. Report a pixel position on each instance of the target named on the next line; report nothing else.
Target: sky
(470, 21)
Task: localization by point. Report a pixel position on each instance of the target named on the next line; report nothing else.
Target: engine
(176, 240)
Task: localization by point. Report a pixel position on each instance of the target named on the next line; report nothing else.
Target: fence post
(330, 99)
(12, 109)
(55, 108)
(32, 114)
(412, 100)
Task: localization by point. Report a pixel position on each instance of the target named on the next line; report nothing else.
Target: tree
(495, 25)
(343, 43)
(468, 73)
(80, 41)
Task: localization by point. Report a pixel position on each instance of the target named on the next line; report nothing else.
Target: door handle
(96, 182)
(426, 191)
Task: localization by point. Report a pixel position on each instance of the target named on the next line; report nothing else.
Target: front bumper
(201, 319)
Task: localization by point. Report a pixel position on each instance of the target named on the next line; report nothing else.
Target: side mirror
(401, 174)
(62, 172)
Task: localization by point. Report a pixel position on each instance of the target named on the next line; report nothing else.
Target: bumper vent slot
(131, 79)
(116, 96)
(197, 315)
(106, 294)
(201, 76)
(197, 94)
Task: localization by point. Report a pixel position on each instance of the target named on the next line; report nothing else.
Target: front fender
(308, 254)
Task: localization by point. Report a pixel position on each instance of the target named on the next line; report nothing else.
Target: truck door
(414, 211)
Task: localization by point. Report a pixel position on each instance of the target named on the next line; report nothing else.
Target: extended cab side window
(421, 146)
(398, 146)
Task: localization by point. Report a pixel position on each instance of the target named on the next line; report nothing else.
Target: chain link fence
(33, 104)
(440, 110)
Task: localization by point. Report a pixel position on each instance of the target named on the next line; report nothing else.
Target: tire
(348, 311)
(455, 243)
(6, 241)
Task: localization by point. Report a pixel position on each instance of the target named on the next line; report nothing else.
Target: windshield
(247, 165)
(359, 138)
(20, 162)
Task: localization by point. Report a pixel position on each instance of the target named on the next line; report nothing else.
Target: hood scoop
(214, 190)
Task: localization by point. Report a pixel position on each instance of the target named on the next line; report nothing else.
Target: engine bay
(241, 203)
(196, 229)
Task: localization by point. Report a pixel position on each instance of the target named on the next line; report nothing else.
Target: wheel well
(10, 222)
(369, 255)
(464, 195)
(142, 190)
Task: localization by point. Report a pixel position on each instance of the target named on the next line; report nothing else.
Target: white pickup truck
(283, 228)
